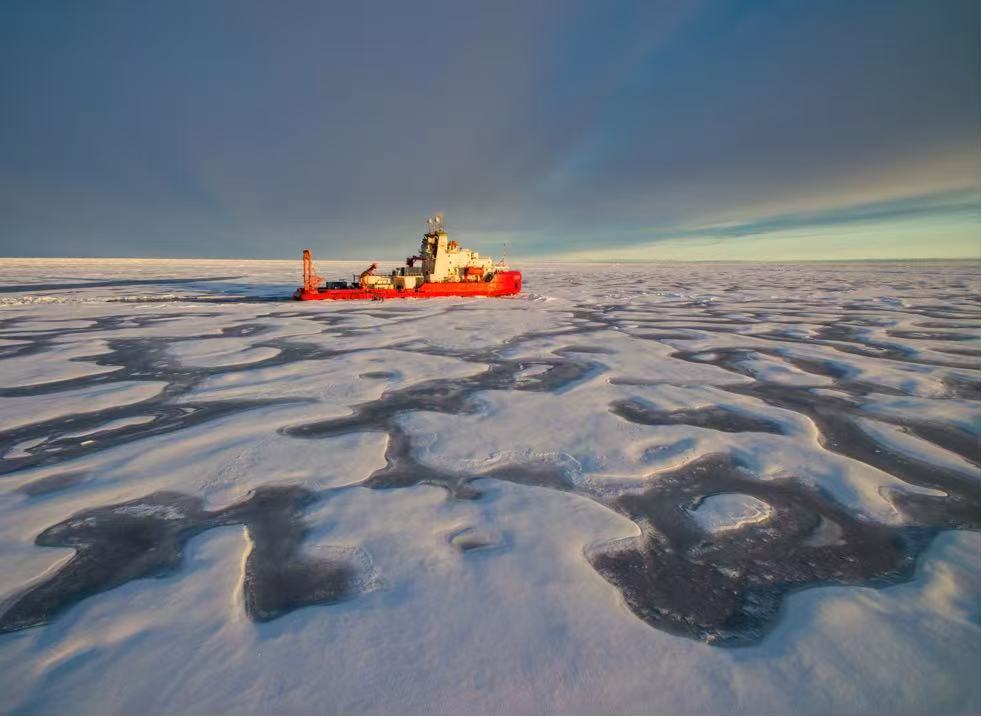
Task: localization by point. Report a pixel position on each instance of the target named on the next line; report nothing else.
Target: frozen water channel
(644, 489)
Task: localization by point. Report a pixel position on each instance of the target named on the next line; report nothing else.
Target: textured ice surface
(729, 511)
(579, 499)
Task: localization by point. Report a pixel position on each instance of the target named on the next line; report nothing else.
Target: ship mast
(435, 225)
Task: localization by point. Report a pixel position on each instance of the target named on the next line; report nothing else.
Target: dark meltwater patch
(97, 284)
(145, 538)
(467, 540)
(716, 418)
(573, 350)
(725, 588)
(278, 577)
(52, 483)
(664, 336)
(932, 335)
(379, 374)
(113, 545)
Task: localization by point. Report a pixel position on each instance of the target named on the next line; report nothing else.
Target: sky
(567, 130)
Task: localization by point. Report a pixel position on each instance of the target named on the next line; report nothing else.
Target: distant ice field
(693, 488)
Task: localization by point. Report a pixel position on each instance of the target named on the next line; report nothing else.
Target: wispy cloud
(961, 204)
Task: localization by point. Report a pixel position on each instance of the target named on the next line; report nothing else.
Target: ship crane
(310, 278)
(363, 277)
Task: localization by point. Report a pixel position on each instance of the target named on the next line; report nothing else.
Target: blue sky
(578, 130)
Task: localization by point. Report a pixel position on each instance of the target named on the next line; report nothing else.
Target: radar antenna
(435, 224)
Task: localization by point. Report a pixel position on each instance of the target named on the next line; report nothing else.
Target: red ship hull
(504, 283)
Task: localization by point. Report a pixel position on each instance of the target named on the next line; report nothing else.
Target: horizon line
(530, 260)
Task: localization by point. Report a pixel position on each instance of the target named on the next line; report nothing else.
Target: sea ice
(729, 511)
(575, 500)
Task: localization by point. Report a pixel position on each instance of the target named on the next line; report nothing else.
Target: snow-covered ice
(630, 489)
(730, 511)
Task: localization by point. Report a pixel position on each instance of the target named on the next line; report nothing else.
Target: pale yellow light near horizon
(923, 238)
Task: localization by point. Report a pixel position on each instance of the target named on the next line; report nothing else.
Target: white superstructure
(440, 260)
